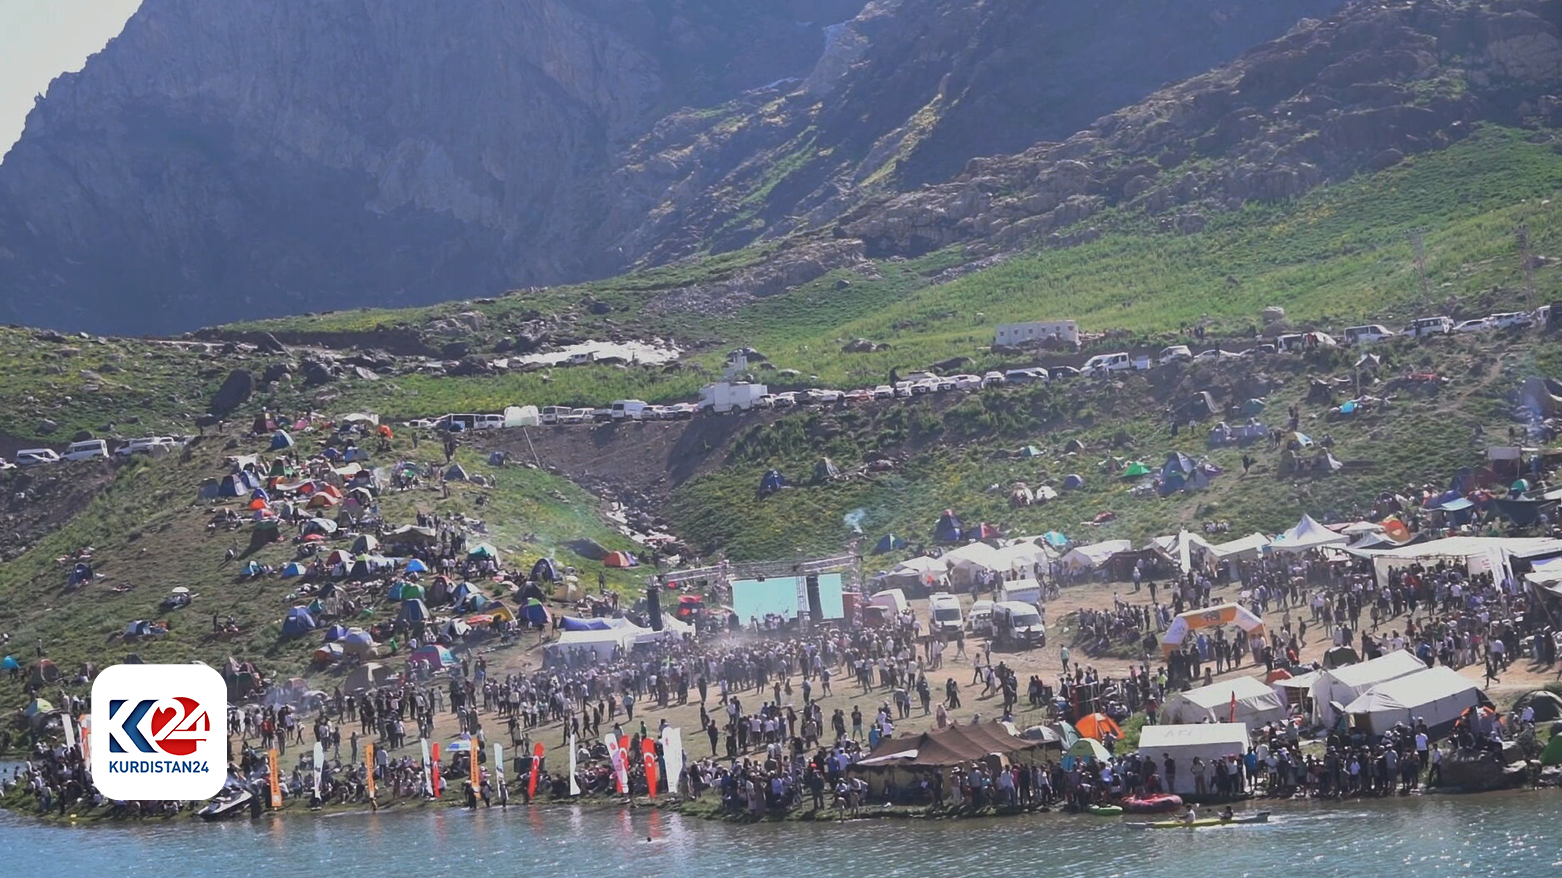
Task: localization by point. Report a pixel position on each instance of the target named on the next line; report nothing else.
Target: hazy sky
(39, 40)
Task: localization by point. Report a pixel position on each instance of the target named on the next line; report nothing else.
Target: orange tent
(257, 503)
(620, 559)
(1096, 725)
(385, 431)
(323, 499)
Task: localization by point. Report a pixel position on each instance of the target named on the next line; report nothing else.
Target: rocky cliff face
(1355, 92)
(255, 157)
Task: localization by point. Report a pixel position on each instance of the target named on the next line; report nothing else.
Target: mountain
(244, 159)
(219, 160)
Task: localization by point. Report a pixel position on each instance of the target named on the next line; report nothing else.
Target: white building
(1015, 334)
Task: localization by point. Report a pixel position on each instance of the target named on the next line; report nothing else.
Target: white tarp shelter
(1346, 683)
(1308, 534)
(969, 561)
(1477, 554)
(1094, 555)
(1182, 742)
(1256, 704)
(601, 643)
(1436, 696)
(1250, 546)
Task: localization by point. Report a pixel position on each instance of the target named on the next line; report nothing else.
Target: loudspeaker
(815, 610)
(653, 605)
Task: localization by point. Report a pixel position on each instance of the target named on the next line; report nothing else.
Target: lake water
(1492, 835)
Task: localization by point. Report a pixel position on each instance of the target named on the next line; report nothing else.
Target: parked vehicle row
(91, 449)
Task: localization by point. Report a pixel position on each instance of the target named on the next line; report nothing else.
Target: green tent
(1552, 755)
(483, 550)
(1137, 469)
(1030, 451)
(1086, 748)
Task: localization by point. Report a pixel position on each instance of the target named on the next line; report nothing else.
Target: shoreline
(710, 808)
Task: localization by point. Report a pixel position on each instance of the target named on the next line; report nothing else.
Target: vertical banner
(368, 764)
(574, 759)
(86, 739)
(615, 758)
(434, 767)
(672, 754)
(428, 771)
(531, 785)
(319, 766)
(276, 786)
(498, 765)
(477, 767)
(68, 727)
(648, 753)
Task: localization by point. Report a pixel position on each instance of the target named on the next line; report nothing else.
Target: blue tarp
(1054, 538)
(570, 623)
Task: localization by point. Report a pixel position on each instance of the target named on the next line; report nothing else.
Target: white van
(36, 456)
(555, 414)
(1430, 326)
(1101, 364)
(628, 409)
(86, 450)
(944, 615)
(1368, 333)
(981, 617)
(470, 422)
(1177, 353)
(1018, 624)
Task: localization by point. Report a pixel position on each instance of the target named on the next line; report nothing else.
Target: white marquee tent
(1435, 695)
(1308, 534)
(1256, 704)
(1207, 741)
(1346, 683)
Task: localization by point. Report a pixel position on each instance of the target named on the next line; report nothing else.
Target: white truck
(1018, 625)
(1026, 591)
(727, 396)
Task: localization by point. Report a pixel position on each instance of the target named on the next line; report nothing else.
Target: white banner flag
(319, 765)
(672, 754)
(428, 774)
(498, 764)
(574, 750)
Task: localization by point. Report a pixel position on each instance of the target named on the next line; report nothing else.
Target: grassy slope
(147, 530)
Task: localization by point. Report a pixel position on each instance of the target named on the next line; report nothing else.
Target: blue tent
(292, 568)
(252, 568)
(888, 543)
(535, 612)
(260, 494)
(414, 611)
(948, 528)
(9, 663)
(335, 633)
(280, 440)
(299, 621)
(1073, 482)
(238, 484)
(416, 566)
(460, 594)
(545, 571)
(771, 482)
(570, 623)
(1177, 463)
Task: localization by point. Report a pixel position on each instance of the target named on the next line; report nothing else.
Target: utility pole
(1418, 241)
(1526, 261)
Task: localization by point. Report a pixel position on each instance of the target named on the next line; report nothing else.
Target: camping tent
(1098, 726)
(1256, 704)
(771, 482)
(1073, 482)
(888, 543)
(1182, 742)
(1307, 534)
(456, 473)
(416, 566)
(360, 643)
(620, 559)
(367, 676)
(414, 610)
(545, 571)
(1137, 470)
(948, 528)
(291, 569)
(365, 543)
(298, 622)
(481, 551)
(1436, 695)
(281, 440)
(1210, 617)
(1094, 555)
(1344, 684)
(433, 655)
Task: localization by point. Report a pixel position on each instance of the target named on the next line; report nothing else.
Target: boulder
(316, 372)
(235, 391)
(277, 372)
(46, 426)
(82, 436)
(455, 350)
(268, 344)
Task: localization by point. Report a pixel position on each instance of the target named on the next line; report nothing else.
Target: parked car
(577, 416)
(1429, 326)
(967, 382)
(884, 391)
(1177, 353)
(993, 379)
(1511, 320)
(1060, 373)
(981, 617)
(681, 411)
(145, 445)
(1101, 364)
(36, 457)
(1369, 333)
(86, 450)
(1024, 376)
(627, 409)
(553, 414)
(1480, 324)
(859, 395)
(5, 465)
(828, 397)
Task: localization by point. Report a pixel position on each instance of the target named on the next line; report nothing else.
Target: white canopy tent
(1256, 704)
(969, 561)
(1477, 554)
(1346, 683)
(1436, 696)
(1308, 534)
(1250, 546)
(600, 643)
(1094, 555)
(1208, 741)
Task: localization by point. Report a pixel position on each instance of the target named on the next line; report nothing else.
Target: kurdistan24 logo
(159, 732)
(176, 726)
